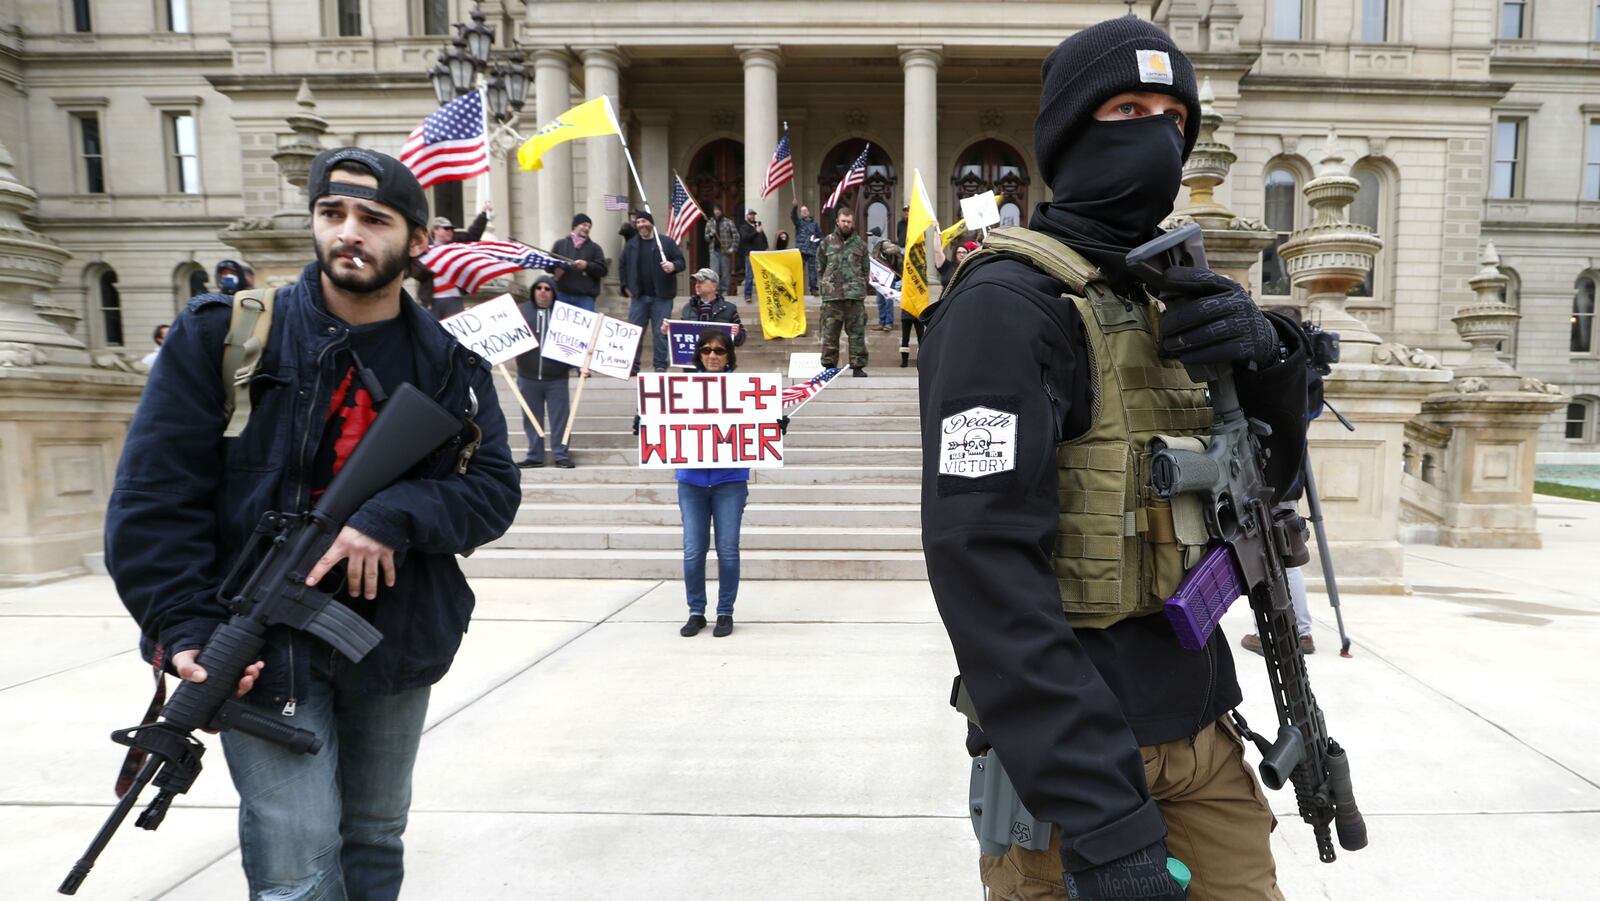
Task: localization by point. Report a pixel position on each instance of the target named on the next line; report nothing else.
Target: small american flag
(856, 175)
(781, 169)
(448, 145)
(685, 212)
(466, 265)
(615, 202)
(795, 396)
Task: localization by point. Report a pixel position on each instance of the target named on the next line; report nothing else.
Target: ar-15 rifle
(1247, 557)
(408, 428)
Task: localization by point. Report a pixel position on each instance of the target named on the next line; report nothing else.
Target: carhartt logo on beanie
(1100, 62)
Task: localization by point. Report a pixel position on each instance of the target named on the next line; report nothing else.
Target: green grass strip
(1575, 492)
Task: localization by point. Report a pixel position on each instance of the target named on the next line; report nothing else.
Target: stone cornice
(227, 83)
(1410, 88)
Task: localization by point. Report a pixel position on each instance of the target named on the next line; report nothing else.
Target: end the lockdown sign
(702, 420)
(495, 330)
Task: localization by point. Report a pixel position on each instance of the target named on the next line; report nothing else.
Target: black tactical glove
(1140, 876)
(1210, 318)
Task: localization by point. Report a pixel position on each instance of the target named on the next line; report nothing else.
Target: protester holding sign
(712, 494)
(708, 305)
(543, 381)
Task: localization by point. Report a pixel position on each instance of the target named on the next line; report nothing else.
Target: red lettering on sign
(747, 450)
(674, 388)
(705, 382)
(758, 392)
(728, 405)
(729, 437)
(678, 459)
(646, 395)
(771, 441)
(656, 449)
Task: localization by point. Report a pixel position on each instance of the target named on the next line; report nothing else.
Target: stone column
(760, 133)
(1492, 415)
(921, 65)
(602, 75)
(655, 161)
(1378, 386)
(280, 245)
(63, 410)
(552, 85)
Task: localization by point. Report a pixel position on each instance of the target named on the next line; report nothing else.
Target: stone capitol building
(148, 127)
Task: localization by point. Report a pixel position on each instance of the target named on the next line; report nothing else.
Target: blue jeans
(327, 826)
(722, 265)
(811, 272)
(885, 311)
(699, 506)
(650, 312)
(749, 278)
(543, 394)
(577, 300)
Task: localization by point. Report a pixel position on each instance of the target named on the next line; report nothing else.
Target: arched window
(716, 178)
(1580, 419)
(188, 280)
(1511, 296)
(108, 302)
(1369, 209)
(873, 201)
(1583, 315)
(992, 165)
(1282, 190)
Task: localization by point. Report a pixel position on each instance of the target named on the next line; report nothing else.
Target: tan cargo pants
(1218, 824)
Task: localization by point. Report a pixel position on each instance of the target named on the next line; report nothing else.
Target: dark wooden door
(716, 177)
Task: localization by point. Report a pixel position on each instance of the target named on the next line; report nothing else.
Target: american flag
(856, 175)
(795, 396)
(466, 265)
(781, 169)
(615, 202)
(685, 212)
(449, 145)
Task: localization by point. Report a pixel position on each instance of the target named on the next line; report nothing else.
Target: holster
(999, 819)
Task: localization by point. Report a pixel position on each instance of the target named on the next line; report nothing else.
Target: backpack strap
(1042, 252)
(246, 341)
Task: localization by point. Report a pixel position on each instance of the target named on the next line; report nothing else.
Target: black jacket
(718, 310)
(533, 365)
(186, 499)
(1065, 709)
(640, 268)
(584, 281)
(750, 239)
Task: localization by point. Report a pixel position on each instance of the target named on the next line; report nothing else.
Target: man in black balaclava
(1046, 372)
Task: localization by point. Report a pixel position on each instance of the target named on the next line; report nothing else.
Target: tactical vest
(1120, 551)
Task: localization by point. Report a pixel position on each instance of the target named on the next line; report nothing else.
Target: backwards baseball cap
(706, 275)
(397, 186)
(1120, 55)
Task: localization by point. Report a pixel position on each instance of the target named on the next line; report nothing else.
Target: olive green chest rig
(1120, 551)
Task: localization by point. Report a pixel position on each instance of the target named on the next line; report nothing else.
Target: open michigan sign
(700, 420)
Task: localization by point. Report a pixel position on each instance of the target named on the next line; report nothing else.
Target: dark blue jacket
(640, 269)
(186, 499)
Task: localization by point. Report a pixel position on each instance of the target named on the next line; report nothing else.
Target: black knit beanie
(1100, 62)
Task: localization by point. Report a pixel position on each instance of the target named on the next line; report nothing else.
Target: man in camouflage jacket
(842, 257)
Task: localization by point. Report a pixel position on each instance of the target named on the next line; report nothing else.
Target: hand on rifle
(189, 671)
(369, 559)
(1210, 318)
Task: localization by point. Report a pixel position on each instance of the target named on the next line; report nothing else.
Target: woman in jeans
(711, 494)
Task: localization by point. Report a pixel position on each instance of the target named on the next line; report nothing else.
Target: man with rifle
(1051, 376)
(339, 348)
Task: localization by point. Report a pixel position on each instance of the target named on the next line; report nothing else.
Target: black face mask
(1118, 179)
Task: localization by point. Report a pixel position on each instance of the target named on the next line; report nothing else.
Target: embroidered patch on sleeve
(978, 442)
(1155, 66)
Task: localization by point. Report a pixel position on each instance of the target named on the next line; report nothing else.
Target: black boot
(693, 626)
(859, 372)
(905, 357)
(724, 627)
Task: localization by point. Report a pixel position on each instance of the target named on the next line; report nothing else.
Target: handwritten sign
(494, 330)
(701, 420)
(570, 333)
(684, 334)
(981, 210)
(883, 278)
(614, 347)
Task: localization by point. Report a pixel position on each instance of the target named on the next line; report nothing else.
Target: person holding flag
(648, 271)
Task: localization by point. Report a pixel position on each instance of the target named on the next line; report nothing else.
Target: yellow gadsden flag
(914, 272)
(586, 120)
(949, 234)
(780, 277)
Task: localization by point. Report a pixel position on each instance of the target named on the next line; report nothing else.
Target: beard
(382, 268)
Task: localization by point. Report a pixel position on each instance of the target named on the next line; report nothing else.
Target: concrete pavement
(581, 749)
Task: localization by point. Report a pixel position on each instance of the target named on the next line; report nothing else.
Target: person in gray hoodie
(543, 382)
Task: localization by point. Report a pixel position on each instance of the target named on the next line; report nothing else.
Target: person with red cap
(1047, 371)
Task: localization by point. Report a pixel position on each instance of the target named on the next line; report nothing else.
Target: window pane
(197, 282)
(1286, 20)
(1374, 20)
(1280, 200)
(1577, 418)
(878, 217)
(178, 15)
(183, 136)
(435, 16)
(1511, 19)
(1010, 214)
(80, 15)
(111, 308)
(1364, 209)
(1274, 277)
(1505, 139)
(1583, 317)
(94, 181)
(1591, 169)
(349, 13)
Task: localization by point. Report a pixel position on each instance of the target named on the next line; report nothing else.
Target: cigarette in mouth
(357, 261)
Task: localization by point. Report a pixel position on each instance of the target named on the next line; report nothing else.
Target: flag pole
(517, 392)
(584, 374)
(488, 152)
(628, 155)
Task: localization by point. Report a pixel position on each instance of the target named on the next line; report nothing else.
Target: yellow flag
(949, 234)
(586, 120)
(780, 277)
(914, 271)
